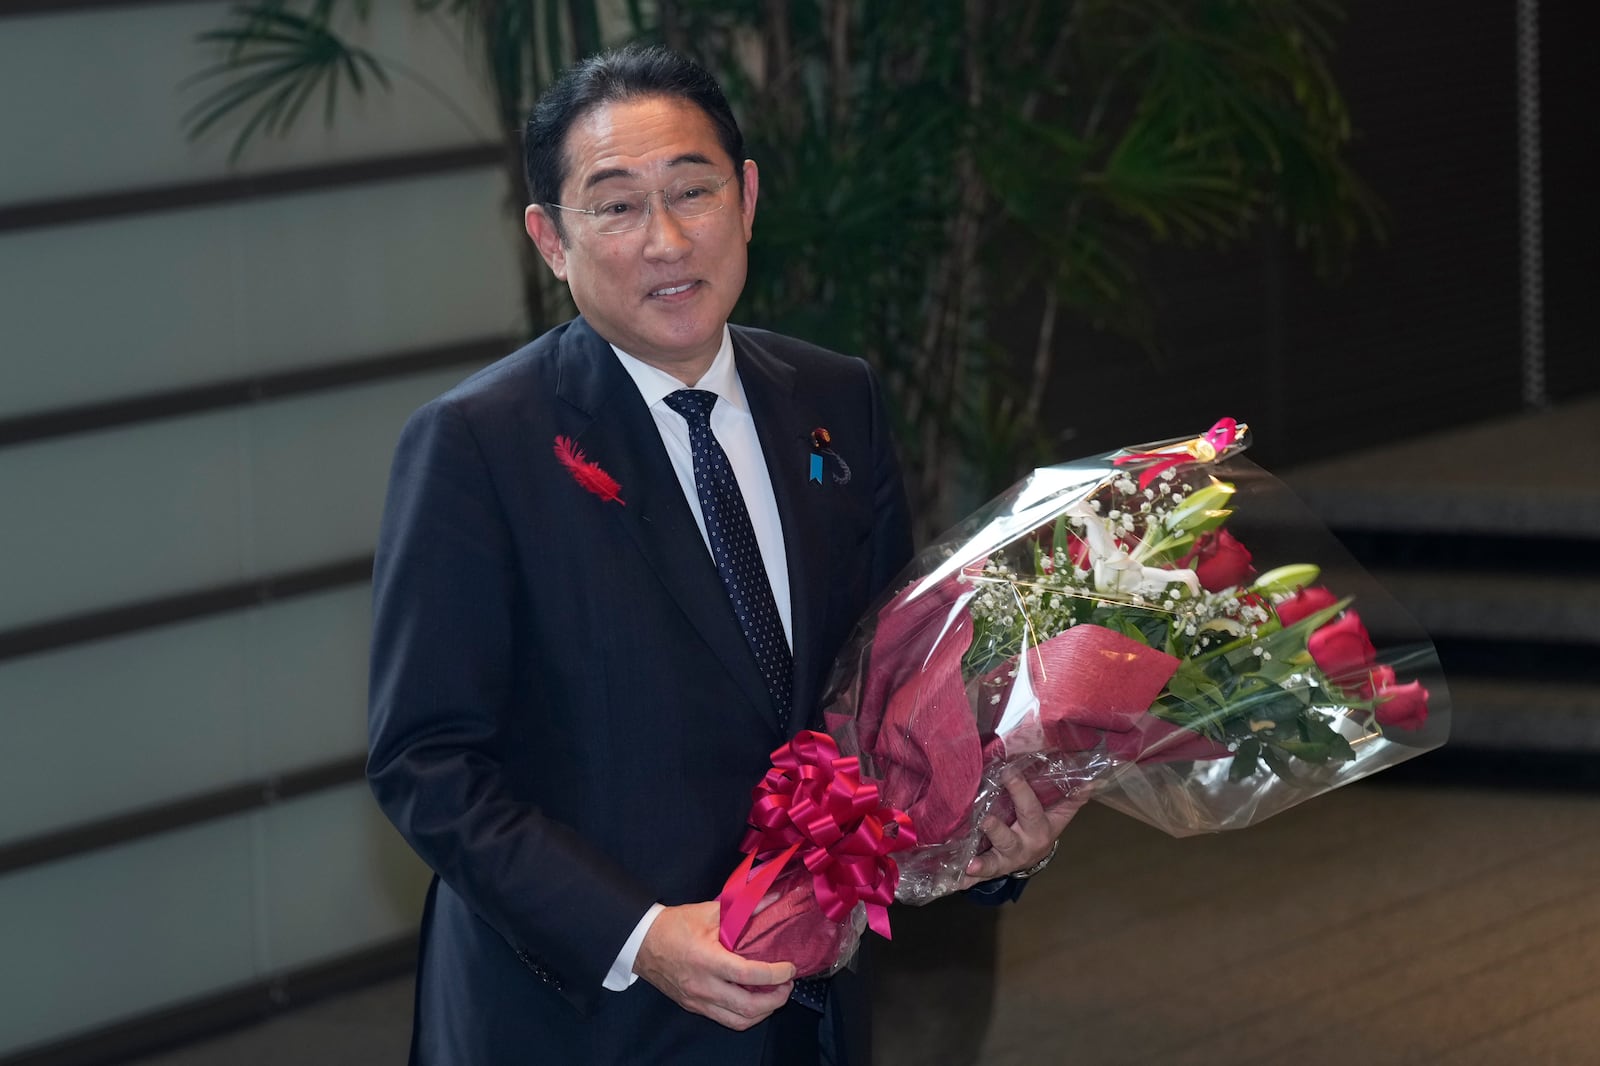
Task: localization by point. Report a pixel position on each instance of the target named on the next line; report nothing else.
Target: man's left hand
(1025, 841)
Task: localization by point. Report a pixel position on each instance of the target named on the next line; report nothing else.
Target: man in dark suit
(572, 694)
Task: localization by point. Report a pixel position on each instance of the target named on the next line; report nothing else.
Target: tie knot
(693, 404)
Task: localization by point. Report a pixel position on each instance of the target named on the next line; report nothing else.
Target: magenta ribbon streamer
(1218, 437)
(814, 805)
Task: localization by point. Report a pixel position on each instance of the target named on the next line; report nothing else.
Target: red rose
(1305, 602)
(1342, 648)
(1403, 706)
(1378, 679)
(1255, 599)
(1220, 561)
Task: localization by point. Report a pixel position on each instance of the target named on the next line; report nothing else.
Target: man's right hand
(682, 957)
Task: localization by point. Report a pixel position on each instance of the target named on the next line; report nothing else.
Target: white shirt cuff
(622, 976)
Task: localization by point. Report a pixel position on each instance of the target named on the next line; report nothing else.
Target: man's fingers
(1028, 838)
(752, 974)
(1057, 815)
(984, 866)
(1002, 837)
(738, 1007)
(683, 958)
(1030, 812)
(1004, 844)
(746, 991)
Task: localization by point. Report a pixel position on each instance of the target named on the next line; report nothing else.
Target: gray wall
(119, 306)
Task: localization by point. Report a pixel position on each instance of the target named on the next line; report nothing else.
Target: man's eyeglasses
(625, 211)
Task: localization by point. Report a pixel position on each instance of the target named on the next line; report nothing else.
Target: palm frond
(276, 60)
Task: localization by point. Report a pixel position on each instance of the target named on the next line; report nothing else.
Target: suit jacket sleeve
(441, 672)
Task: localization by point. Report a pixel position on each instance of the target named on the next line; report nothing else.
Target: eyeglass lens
(689, 198)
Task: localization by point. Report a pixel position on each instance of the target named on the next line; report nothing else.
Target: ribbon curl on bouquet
(813, 805)
(1224, 434)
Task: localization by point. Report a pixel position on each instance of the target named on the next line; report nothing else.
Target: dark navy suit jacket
(566, 721)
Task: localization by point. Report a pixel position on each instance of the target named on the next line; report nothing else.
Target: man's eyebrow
(606, 175)
(610, 173)
(690, 157)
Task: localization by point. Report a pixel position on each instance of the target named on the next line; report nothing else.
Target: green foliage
(276, 60)
(930, 172)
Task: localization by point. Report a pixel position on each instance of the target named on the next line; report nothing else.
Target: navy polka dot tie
(734, 548)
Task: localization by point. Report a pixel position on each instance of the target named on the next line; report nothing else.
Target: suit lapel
(770, 384)
(619, 431)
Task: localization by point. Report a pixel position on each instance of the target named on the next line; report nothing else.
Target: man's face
(661, 292)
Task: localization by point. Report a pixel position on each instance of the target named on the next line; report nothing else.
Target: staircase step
(1489, 538)
(1521, 607)
(1488, 713)
(1530, 475)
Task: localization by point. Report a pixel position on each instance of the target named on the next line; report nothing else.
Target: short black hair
(631, 73)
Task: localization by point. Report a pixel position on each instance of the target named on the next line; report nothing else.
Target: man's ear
(747, 200)
(542, 228)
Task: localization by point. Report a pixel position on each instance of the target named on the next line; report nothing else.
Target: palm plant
(279, 55)
(932, 169)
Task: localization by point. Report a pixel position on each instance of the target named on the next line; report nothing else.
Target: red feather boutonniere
(587, 474)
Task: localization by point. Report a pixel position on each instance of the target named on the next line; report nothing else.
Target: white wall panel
(100, 519)
(319, 465)
(338, 877)
(104, 103)
(93, 730)
(106, 310)
(104, 518)
(305, 693)
(126, 930)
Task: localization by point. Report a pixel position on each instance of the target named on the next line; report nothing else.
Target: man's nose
(665, 236)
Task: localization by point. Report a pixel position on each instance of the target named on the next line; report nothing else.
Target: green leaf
(1203, 510)
(276, 61)
(1284, 580)
(1279, 763)
(1246, 759)
(1318, 743)
(1128, 627)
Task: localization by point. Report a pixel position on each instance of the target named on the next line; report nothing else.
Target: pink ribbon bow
(813, 804)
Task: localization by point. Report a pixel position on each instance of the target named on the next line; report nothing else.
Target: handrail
(97, 207)
(180, 813)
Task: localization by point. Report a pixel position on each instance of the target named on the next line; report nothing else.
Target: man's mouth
(673, 290)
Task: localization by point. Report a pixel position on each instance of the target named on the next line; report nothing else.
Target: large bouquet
(1102, 625)
(1101, 629)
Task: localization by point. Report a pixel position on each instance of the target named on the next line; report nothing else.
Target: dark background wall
(1570, 90)
(1422, 331)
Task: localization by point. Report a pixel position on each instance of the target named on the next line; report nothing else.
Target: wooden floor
(1379, 924)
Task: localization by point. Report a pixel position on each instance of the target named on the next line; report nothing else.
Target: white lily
(1115, 570)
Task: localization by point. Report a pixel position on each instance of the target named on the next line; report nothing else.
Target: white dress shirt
(735, 430)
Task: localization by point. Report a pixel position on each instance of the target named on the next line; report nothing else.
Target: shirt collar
(721, 377)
